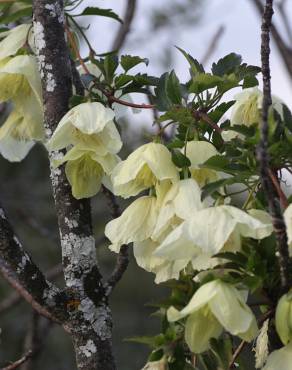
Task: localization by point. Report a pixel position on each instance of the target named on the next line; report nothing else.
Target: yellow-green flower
(283, 318)
(215, 306)
(288, 221)
(20, 84)
(280, 359)
(86, 170)
(15, 39)
(143, 169)
(90, 125)
(135, 224)
(208, 231)
(199, 152)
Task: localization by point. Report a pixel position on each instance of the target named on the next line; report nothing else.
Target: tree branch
(21, 272)
(285, 51)
(126, 26)
(262, 152)
(89, 323)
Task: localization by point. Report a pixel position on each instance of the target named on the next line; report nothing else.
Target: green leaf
(220, 110)
(204, 81)
(90, 10)
(122, 80)
(111, 63)
(173, 88)
(287, 117)
(250, 81)
(226, 65)
(26, 12)
(196, 67)
(128, 61)
(76, 100)
(179, 159)
(162, 100)
(153, 342)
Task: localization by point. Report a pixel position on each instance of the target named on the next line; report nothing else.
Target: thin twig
(283, 199)
(284, 49)
(126, 26)
(262, 153)
(204, 117)
(286, 21)
(19, 362)
(122, 261)
(213, 44)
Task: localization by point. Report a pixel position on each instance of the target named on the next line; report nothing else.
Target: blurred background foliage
(26, 194)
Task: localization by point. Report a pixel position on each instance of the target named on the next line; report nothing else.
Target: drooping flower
(215, 306)
(288, 221)
(283, 318)
(15, 39)
(143, 169)
(247, 110)
(90, 125)
(199, 152)
(85, 170)
(162, 364)
(135, 224)
(280, 359)
(20, 84)
(183, 198)
(208, 231)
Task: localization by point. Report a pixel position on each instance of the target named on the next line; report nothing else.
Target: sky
(242, 35)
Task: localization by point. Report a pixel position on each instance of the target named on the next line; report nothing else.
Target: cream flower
(20, 84)
(199, 152)
(90, 125)
(215, 306)
(135, 224)
(85, 170)
(15, 39)
(247, 110)
(288, 221)
(183, 198)
(280, 359)
(208, 230)
(283, 318)
(157, 365)
(144, 168)
(162, 268)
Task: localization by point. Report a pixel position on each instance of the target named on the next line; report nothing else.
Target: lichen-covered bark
(89, 322)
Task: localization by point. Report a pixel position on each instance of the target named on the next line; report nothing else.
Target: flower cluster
(21, 88)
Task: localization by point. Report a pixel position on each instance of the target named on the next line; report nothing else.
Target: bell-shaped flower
(143, 169)
(86, 170)
(247, 110)
(162, 364)
(90, 125)
(283, 318)
(162, 268)
(199, 152)
(180, 201)
(135, 224)
(208, 230)
(280, 359)
(15, 39)
(20, 84)
(215, 306)
(288, 222)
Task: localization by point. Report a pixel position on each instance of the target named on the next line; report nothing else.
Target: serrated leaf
(204, 81)
(226, 65)
(122, 80)
(173, 88)
(162, 100)
(196, 67)
(91, 10)
(128, 61)
(111, 63)
(250, 81)
(287, 117)
(220, 110)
